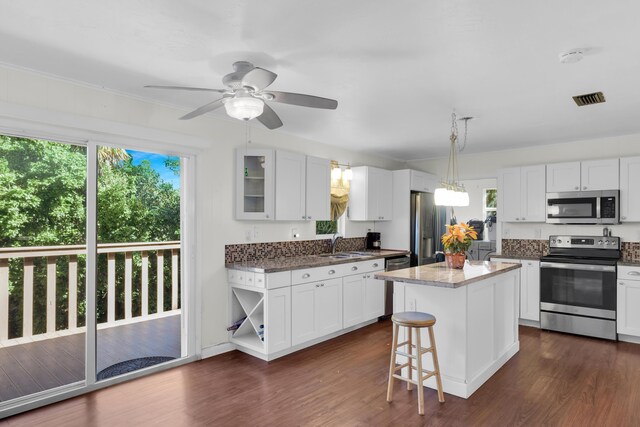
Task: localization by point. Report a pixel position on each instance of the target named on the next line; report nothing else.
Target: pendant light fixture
(452, 192)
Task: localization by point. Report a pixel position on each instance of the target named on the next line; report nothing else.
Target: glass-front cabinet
(254, 184)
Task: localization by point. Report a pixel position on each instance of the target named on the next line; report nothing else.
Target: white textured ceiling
(397, 68)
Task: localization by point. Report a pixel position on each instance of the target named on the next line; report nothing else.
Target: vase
(455, 260)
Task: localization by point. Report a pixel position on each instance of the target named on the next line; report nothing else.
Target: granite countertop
(528, 257)
(309, 261)
(442, 276)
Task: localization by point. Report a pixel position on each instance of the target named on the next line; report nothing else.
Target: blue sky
(157, 163)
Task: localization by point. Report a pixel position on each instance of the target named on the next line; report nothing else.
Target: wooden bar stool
(414, 320)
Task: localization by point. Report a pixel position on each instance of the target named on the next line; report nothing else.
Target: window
(490, 203)
(325, 229)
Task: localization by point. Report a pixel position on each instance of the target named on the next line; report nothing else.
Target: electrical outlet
(412, 305)
(294, 233)
(247, 235)
(256, 232)
(537, 233)
(506, 232)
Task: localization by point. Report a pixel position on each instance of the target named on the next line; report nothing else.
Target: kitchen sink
(342, 255)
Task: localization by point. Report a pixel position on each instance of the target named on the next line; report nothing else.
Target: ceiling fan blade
(205, 89)
(269, 118)
(303, 100)
(258, 78)
(204, 109)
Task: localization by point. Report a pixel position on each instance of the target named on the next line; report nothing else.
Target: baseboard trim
(629, 338)
(215, 350)
(530, 323)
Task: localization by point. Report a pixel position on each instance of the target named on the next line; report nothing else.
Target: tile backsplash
(254, 251)
(525, 247)
(534, 248)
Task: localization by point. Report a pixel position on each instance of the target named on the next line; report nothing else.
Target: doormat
(130, 366)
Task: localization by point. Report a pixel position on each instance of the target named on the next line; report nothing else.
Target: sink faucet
(334, 242)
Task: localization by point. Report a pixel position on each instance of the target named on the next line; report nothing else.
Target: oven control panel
(585, 242)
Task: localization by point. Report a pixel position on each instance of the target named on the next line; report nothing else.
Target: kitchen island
(477, 317)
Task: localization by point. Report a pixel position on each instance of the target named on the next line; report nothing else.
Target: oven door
(578, 288)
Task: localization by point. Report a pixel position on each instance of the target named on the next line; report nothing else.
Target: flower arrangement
(458, 238)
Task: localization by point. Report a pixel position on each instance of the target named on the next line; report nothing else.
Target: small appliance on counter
(477, 225)
(373, 240)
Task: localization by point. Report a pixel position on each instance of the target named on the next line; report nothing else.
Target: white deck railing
(52, 253)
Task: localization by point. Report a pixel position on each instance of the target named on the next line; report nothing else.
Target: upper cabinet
(318, 189)
(592, 175)
(303, 187)
(422, 181)
(630, 189)
(370, 198)
(521, 194)
(255, 184)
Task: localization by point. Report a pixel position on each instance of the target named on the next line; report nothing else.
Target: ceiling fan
(245, 97)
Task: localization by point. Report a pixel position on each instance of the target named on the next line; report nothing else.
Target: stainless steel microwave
(584, 207)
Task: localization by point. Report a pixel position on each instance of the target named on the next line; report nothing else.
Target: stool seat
(414, 319)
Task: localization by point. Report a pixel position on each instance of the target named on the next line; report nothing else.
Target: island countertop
(442, 276)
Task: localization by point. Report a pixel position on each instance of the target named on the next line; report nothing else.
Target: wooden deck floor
(555, 380)
(42, 365)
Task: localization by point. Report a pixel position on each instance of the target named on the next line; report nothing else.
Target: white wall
(61, 103)
(485, 165)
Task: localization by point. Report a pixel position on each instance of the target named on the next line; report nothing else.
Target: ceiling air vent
(589, 99)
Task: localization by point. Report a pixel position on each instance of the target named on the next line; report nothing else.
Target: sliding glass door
(138, 263)
(90, 266)
(42, 265)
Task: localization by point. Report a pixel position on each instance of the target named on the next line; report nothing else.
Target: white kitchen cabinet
(521, 194)
(563, 177)
(628, 295)
(290, 186)
(267, 328)
(318, 183)
(597, 175)
(630, 189)
(254, 184)
(352, 300)
(422, 181)
(363, 298)
(589, 175)
(374, 291)
(529, 287)
(316, 310)
(302, 187)
(371, 193)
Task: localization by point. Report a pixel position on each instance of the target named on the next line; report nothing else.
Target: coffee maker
(373, 240)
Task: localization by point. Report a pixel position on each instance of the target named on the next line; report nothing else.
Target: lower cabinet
(628, 295)
(316, 310)
(363, 298)
(529, 287)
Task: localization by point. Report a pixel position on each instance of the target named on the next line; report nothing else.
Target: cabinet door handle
(375, 264)
(517, 219)
(308, 217)
(624, 217)
(523, 218)
(317, 286)
(576, 188)
(634, 273)
(331, 272)
(304, 217)
(584, 188)
(306, 275)
(322, 285)
(621, 283)
(267, 216)
(354, 268)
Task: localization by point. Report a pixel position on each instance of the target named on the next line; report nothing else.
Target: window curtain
(339, 195)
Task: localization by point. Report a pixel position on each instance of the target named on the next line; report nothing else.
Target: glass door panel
(42, 265)
(138, 267)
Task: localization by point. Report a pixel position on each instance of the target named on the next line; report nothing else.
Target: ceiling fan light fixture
(244, 108)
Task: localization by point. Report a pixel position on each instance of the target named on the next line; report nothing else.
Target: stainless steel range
(578, 285)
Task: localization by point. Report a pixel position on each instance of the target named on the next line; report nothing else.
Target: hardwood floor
(555, 379)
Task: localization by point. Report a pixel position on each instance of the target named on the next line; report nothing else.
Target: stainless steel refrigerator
(427, 225)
